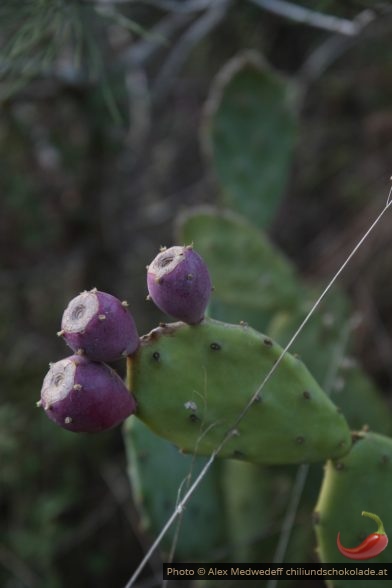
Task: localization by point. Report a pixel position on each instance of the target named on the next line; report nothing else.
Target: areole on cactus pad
(192, 383)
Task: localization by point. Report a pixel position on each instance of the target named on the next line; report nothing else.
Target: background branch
(179, 54)
(142, 51)
(311, 17)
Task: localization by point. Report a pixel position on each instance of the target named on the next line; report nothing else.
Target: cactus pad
(250, 130)
(236, 313)
(150, 459)
(192, 383)
(350, 388)
(246, 268)
(249, 502)
(360, 481)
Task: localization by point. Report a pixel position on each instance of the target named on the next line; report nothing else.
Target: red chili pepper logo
(372, 546)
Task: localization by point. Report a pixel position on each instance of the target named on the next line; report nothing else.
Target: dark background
(96, 161)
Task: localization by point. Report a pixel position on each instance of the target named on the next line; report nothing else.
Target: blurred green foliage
(93, 169)
(247, 269)
(149, 460)
(250, 133)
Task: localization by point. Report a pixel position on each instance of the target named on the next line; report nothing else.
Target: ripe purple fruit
(84, 396)
(99, 325)
(179, 283)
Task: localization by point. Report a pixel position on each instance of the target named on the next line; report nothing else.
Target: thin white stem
(312, 310)
(180, 505)
(179, 508)
(389, 196)
(311, 17)
(303, 470)
(173, 546)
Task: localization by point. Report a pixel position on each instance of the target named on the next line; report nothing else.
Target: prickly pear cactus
(179, 283)
(329, 329)
(157, 472)
(236, 313)
(249, 133)
(350, 388)
(360, 481)
(248, 271)
(100, 326)
(85, 396)
(359, 398)
(248, 500)
(192, 383)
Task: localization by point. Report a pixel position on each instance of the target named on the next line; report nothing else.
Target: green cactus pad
(247, 270)
(359, 399)
(256, 499)
(350, 388)
(249, 133)
(192, 383)
(248, 501)
(158, 472)
(235, 313)
(360, 481)
(328, 330)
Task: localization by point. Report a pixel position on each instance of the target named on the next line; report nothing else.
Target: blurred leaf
(246, 269)
(236, 313)
(156, 493)
(328, 330)
(248, 498)
(325, 343)
(250, 131)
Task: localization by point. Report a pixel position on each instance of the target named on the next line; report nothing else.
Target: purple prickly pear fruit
(100, 326)
(84, 396)
(179, 283)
